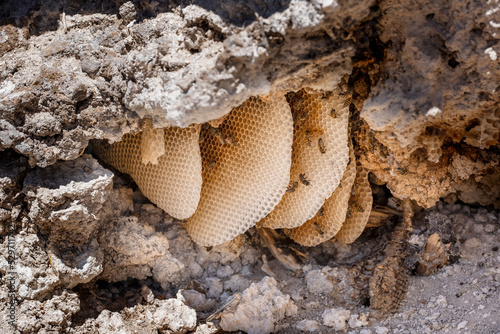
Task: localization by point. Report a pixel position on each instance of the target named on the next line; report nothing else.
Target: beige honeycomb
(174, 182)
(246, 169)
(319, 158)
(487, 132)
(332, 215)
(360, 206)
(152, 144)
(433, 145)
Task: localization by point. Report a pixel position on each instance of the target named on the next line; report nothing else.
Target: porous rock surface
(262, 305)
(92, 254)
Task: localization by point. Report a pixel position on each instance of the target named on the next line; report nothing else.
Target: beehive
(172, 180)
(274, 161)
(152, 144)
(246, 169)
(319, 158)
(358, 211)
(329, 219)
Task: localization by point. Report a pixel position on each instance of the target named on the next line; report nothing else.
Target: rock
(358, 320)
(147, 294)
(381, 330)
(214, 286)
(336, 318)
(111, 322)
(308, 325)
(173, 316)
(236, 283)
(195, 300)
(261, 306)
(68, 199)
(138, 251)
(225, 271)
(462, 324)
(34, 316)
(337, 283)
(441, 301)
(317, 281)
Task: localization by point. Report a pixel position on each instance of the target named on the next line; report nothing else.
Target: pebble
(336, 318)
(308, 325)
(441, 301)
(481, 218)
(381, 330)
(356, 320)
(488, 228)
(462, 324)
(224, 271)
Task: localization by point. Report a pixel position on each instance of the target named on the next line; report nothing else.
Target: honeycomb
(319, 157)
(360, 206)
(172, 180)
(329, 219)
(246, 169)
(152, 144)
(433, 146)
(487, 132)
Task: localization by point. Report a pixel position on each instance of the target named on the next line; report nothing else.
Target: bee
(291, 188)
(229, 140)
(333, 113)
(357, 207)
(347, 102)
(326, 95)
(354, 190)
(321, 212)
(317, 228)
(309, 133)
(216, 133)
(348, 213)
(307, 138)
(211, 164)
(384, 152)
(402, 171)
(304, 180)
(321, 146)
(302, 118)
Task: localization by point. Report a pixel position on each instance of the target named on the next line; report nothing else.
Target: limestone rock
(262, 305)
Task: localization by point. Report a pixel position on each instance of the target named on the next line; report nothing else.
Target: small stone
(147, 294)
(462, 325)
(308, 325)
(90, 66)
(481, 218)
(472, 244)
(488, 228)
(381, 330)
(214, 286)
(128, 12)
(195, 299)
(478, 229)
(236, 283)
(336, 318)
(356, 320)
(224, 271)
(365, 331)
(441, 301)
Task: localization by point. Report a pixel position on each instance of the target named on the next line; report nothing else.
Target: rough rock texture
(85, 253)
(262, 305)
(95, 76)
(438, 86)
